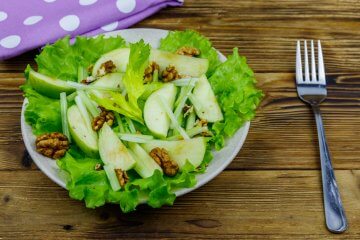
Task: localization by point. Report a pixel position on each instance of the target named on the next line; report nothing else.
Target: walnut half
(149, 71)
(122, 177)
(162, 158)
(53, 145)
(105, 116)
(106, 67)
(188, 51)
(170, 74)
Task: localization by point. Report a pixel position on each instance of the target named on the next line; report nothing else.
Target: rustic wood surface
(272, 189)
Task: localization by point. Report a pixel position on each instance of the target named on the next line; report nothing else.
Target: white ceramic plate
(221, 158)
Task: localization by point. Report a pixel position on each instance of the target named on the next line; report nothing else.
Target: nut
(106, 67)
(98, 167)
(201, 122)
(105, 116)
(188, 51)
(170, 74)
(162, 158)
(53, 145)
(88, 80)
(187, 110)
(149, 71)
(122, 177)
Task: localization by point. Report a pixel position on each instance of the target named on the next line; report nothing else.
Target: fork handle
(334, 212)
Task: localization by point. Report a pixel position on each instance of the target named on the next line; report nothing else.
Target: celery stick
(119, 122)
(64, 122)
(131, 125)
(82, 73)
(83, 111)
(89, 104)
(136, 138)
(190, 121)
(71, 97)
(111, 175)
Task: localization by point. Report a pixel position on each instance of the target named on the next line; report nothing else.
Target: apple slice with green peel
(192, 150)
(185, 65)
(145, 166)
(48, 86)
(119, 57)
(84, 137)
(111, 80)
(204, 101)
(112, 151)
(155, 117)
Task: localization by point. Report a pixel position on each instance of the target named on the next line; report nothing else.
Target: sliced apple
(48, 86)
(145, 165)
(119, 57)
(204, 101)
(155, 116)
(112, 151)
(111, 80)
(192, 150)
(185, 65)
(84, 137)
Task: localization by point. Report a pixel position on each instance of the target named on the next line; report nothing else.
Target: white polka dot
(32, 20)
(11, 41)
(87, 2)
(69, 23)
(110, 27)
(49, 1)
(3, 16)
(126, 6)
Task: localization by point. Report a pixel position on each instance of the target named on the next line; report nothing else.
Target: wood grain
(272, 189)
(286, 203)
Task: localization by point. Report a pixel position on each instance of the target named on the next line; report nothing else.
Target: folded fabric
(28, 24)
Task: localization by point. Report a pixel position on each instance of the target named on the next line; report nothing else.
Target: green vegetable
(233, 83)
(133, 82)
(177, 39)
(62, 60)
(64, 121)
(42, 113)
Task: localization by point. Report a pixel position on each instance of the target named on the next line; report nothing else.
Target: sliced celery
(82, 73)
(136, 138)
(111, 175)
(84, 113)
(63, 109)
(190, 121)
(89, 104)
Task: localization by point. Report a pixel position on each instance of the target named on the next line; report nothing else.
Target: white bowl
(221, 159)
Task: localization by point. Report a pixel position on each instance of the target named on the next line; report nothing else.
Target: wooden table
(273, 187)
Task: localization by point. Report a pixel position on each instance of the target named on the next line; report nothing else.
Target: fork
(313, 91)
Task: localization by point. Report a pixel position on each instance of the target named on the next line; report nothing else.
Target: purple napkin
(28, 24)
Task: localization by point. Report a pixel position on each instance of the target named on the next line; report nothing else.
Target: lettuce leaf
(41, 113)
(133, 82)
(233, 83)
(62, 59)
(85, 183)
(177, 39)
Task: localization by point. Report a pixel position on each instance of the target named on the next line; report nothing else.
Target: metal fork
(313, 91)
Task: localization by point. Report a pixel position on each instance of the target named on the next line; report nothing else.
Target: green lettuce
(62, 59)
(177, 39)
(234, 85)
(133, 81)
(41, 113)
(92, 186)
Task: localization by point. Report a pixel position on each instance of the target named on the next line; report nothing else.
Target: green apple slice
(85, 138)
(205, 103)
(155, 117)
(145, 165)
(111, 80)
(192, 150)
(112, 151)
(119, 57)
(185, 65)
(48, 86)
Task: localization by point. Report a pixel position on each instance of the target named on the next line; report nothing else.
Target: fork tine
(321, 68)
(306, 63)
(299, 75)
(313, 66)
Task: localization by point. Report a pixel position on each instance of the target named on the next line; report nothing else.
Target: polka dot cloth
(30, 24)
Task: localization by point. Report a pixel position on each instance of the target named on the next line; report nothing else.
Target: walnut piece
(122, 177)
(98, 167)
(188, 51)
(106, 67)
(187, 110)
(201, 123)
(170, 74)
(105, 116)
(149, 71)
(53, 145)
(162, 158)
(88, 80)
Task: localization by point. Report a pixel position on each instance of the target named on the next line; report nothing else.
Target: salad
(128, 123)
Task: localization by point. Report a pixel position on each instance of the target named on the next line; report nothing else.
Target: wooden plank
(236, 205)
(282, 136)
